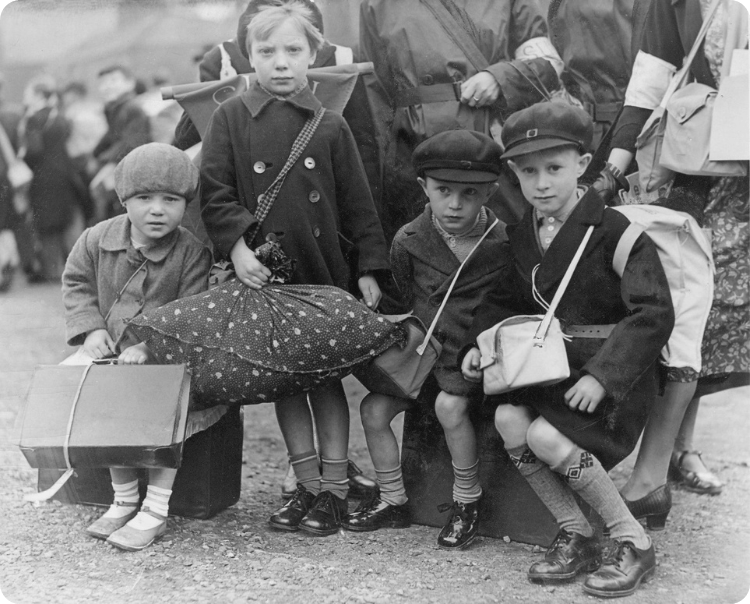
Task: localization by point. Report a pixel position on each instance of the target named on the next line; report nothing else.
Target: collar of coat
(256, 99)
(116, 238)
(557, 258)
(424, 243)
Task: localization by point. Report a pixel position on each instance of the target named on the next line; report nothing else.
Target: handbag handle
(423, 345)
(541, 331)
(678, 77)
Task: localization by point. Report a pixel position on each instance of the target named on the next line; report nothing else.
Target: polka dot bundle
(247, 346)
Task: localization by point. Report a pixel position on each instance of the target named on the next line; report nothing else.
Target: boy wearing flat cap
(564, 438)
(458, 171)
(117, 269)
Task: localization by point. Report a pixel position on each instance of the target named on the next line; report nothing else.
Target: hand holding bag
(401, 371)
(528, 350)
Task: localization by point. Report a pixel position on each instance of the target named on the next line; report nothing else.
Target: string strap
(423, 346)
(50, 492)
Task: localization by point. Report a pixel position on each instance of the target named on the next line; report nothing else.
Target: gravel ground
(234, 558)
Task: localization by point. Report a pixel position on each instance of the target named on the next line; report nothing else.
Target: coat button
(314, 197)
(682, 112)
(316, 232)
(309, 163)
(428, 80)
(259, 167)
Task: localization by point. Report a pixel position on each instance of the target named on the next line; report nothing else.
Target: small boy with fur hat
(117, 269)
(458, 171)
(563, 438)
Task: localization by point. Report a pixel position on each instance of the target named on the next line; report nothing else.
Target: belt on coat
(435, 93)
(603, 112)
(589, 331)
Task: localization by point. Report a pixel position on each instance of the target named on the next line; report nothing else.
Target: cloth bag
(401, 371)
(527, 350)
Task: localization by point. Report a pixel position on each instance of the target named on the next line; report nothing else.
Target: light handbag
(401, 371)
(528, 350)
(649, 144)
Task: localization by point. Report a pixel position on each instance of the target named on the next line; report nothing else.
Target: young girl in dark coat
(563, 438)
(324, 200)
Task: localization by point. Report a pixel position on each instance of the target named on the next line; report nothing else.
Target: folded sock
(586, 476)
(466, 488)
(126, 498)
(550, 488)
(334, 477)
(391, 483)
(307, 470)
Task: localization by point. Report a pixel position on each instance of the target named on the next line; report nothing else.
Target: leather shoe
(569, 554)
(294, 510)
(132, 539)
(654, 507)
(104, 527)
(325, 515)
(360, 486)
(462, 525)
(622, 571)
(704, 483)
(375, 514)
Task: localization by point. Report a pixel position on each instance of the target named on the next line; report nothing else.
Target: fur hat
(156, 167)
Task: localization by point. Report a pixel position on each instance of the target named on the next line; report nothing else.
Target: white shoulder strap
(344, 55)
(625, 246)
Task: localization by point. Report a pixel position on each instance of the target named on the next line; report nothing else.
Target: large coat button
(428, 80)
(314, 196)
(309, 163)
(259, 167)
(316, 232)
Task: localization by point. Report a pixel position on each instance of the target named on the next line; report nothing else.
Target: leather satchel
(527, 350)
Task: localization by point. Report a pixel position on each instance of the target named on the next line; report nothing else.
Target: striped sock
(391, 483)
(466, 488)
(334, 477)
(156, 501)
(126, 498)
(307, 470)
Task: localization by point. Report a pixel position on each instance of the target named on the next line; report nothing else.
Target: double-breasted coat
(639, 306)
(424, 267)
(324, 201)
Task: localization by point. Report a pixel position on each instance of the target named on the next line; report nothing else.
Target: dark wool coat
(414, 57)
(56, 188)
(129, 127)
(424, 266)
(102, 261)
(324, 201)
(639, 304)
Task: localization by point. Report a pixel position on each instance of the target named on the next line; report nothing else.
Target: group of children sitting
(562, 438)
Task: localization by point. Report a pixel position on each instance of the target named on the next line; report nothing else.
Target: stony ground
(704, 555)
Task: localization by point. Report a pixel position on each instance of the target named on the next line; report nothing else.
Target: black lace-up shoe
(360, 486)
(462, 525)
(622, 571)
(375, 514)
(569, 554)
(294, 510)
(325, 515)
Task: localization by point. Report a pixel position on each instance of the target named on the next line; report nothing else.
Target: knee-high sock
(586, 476)
(307, 470)
(551, 489)
(466, 487)
(391, 483)
(334, 477)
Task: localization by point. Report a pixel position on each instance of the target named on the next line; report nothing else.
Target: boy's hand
(470, 366)
(248, 268)
(370, 291)
(480, 90)
(99, 344)
(586, 394)
(137, 354)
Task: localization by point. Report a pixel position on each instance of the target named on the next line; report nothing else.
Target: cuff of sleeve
(76, 330)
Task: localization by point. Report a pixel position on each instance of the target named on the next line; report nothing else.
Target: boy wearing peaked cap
(119, 268)
(458, 171)
(564, 438)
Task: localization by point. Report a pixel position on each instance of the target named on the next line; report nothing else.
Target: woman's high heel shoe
(705, 483)
(654, 507)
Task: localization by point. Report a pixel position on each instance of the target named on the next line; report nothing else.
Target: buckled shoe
(325, 515)
(104, 527)
(294, 510)
(375, 514)
(569, 555)
(462, 525)
(133, 539)
(622, 571)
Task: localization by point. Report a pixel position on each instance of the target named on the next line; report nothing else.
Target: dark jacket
(639, 304)
(424, 266)
(325, 195)
(414, 57)
(9, 119)
(129, 127)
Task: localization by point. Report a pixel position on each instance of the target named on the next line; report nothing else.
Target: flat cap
(458, 156)
(546, 125)
(156, 167)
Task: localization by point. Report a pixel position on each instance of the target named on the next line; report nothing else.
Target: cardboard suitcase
(509, 507)
(207, 482)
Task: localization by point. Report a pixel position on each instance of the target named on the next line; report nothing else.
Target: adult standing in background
(431, 84)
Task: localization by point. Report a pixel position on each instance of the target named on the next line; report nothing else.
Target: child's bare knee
(376, 411)
(512, 423)
(547, 442)
(450, 409)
